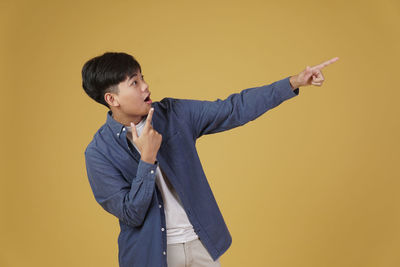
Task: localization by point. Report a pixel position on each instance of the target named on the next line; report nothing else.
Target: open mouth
(148, 99)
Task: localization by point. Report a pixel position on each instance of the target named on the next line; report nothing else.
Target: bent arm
(207, 117)
(128, 202)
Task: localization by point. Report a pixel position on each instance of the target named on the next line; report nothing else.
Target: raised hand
(311, 75)
(149, 141)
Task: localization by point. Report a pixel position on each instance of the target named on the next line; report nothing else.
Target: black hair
(102, 74)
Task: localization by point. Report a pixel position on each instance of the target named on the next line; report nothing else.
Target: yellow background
(313, 182)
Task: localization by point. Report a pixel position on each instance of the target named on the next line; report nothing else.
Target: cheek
(131, 100)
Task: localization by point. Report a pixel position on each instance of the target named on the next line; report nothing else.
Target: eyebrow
(133, 75)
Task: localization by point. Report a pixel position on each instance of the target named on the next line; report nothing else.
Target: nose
(145, 87)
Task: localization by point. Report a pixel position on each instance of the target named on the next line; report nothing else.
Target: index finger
(326, 63)
(149, 117)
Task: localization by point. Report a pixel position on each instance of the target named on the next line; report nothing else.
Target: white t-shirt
(179, 228)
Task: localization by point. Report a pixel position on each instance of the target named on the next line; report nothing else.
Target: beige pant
(190, 254)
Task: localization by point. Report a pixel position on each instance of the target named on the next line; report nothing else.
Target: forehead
(133, 75)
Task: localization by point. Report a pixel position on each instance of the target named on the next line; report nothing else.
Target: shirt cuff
(285, 89)
(146, 169)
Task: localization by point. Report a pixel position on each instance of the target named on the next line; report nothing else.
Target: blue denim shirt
(124, 185)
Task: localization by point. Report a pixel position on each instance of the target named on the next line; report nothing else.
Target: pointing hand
(311, 75)
(149, 141)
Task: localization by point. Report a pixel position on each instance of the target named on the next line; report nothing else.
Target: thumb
(134, 133)
(308, 72)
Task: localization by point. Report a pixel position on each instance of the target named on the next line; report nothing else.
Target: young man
(143, 166)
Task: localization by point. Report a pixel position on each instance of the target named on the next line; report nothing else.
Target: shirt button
(151, 171)
(159, 206)
(118, 134)
(162, 229)
(164, 252)
(123, 129)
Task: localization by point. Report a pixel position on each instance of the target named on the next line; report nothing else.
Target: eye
(134, 82)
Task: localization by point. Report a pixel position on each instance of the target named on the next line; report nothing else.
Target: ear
(111, 99)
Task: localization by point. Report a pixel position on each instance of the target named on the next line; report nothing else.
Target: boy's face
(133, 99)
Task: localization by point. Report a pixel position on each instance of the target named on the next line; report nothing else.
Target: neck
(126, 119)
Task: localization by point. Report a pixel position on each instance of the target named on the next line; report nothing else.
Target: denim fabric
(124, 185)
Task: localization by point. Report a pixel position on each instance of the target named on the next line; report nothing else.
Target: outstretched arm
(207, 117)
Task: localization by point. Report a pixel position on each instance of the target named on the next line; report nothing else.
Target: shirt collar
(115, 126)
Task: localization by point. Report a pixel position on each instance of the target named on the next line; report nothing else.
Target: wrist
(293, 82)
(148, 159)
